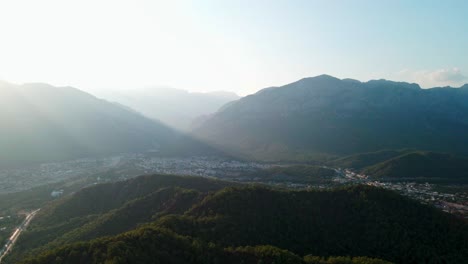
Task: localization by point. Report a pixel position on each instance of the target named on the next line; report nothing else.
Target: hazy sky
(236, 45)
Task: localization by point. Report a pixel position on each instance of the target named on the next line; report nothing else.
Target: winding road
(15, 235)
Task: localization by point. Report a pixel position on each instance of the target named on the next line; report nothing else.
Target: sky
(240, 45)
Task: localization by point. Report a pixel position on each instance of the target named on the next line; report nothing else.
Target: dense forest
(150, 245)
(294, 173)
(353, 220)
(174, 219)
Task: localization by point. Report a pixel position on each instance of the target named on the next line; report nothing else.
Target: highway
(15, 235)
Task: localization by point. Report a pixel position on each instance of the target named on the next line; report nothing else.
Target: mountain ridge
(325, 116)
(42, 123)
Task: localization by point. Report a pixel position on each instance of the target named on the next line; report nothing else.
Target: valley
(233, 132)
(72, 186)
(121, 167)
(449, 197)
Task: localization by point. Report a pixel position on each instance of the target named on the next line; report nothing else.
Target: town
(122, 167)
(449, 198)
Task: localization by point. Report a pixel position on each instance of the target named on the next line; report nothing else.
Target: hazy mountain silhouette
(40, 122)
(174, 107)
(325, 116)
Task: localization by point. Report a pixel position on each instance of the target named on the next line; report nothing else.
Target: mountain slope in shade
(423, 165)
(356, 221)
(175, 108)
(408, 164)
(326, 116)
(363, 160)
(40, 122)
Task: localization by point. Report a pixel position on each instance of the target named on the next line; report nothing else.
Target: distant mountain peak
(325, 76)
(322, 77)
(384, 82)
(224, 94)
(349, 80)
(328, 79)
(175, 107)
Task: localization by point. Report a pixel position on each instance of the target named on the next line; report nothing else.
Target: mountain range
(176, 108)
(40, 122)
(323, 117)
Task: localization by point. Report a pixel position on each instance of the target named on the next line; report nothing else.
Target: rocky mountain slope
(325, 116)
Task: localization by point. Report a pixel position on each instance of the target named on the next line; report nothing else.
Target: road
(15, 235)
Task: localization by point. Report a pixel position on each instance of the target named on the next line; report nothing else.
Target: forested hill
(356, 221)
(195, 220)
(40, 123)
(155, 245)
(363, 160)
(419, 164)
(408, 164)
(110, 209)
(326, 116)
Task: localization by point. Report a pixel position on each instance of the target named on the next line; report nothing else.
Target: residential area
(451, 199)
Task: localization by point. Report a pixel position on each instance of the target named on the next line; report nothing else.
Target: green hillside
(294, 173)
(357, 221)
(221, 222)
(109, 209)
(428, 165)
(363, 160)
(150, 245)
